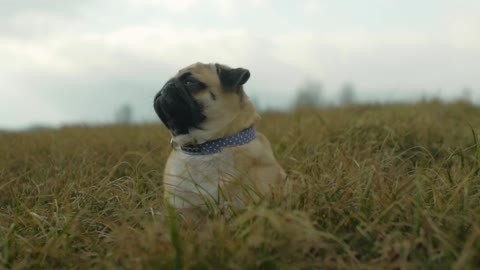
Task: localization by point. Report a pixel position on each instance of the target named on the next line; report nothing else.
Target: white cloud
(67, 53)
(175, 44)
(313, 7)
(464, 32)
(174, 6)
(318, 47)
(20, 56)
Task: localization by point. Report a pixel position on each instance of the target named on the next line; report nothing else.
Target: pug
(219, 159)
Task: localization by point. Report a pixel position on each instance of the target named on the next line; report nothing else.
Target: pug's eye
(193, 85)
(190, 82)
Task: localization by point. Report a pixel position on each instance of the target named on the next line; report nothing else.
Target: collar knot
(216, 146)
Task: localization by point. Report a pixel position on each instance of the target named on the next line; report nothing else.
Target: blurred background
(99, 62)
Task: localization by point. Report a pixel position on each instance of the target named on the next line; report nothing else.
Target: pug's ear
(232, 78)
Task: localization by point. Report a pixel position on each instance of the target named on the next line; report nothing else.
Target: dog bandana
(216, 146)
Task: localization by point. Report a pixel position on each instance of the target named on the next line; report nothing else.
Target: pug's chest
(188, 172)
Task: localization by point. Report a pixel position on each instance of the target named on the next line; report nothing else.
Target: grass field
(373, 187)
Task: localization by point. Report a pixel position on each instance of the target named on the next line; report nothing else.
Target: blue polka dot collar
(216, 146)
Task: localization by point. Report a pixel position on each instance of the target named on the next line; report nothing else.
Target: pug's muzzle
(177, 108)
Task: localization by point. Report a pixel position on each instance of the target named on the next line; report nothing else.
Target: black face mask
(177, 108)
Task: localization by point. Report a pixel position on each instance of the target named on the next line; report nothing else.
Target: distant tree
(347, 94)
(467, 94)
(38, 127)
(437, 97)
(309, 94)
(124, 114)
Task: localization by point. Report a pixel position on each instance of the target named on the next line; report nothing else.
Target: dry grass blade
(371, 187)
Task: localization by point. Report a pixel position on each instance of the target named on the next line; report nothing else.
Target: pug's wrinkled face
(200, 97)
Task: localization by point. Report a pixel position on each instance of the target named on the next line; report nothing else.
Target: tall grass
(372, 187)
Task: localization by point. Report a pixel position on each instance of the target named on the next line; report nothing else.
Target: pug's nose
(158, 96)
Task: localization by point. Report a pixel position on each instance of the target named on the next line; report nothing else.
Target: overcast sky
(77, 61)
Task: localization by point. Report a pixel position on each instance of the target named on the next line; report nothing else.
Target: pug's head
(204, 102)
